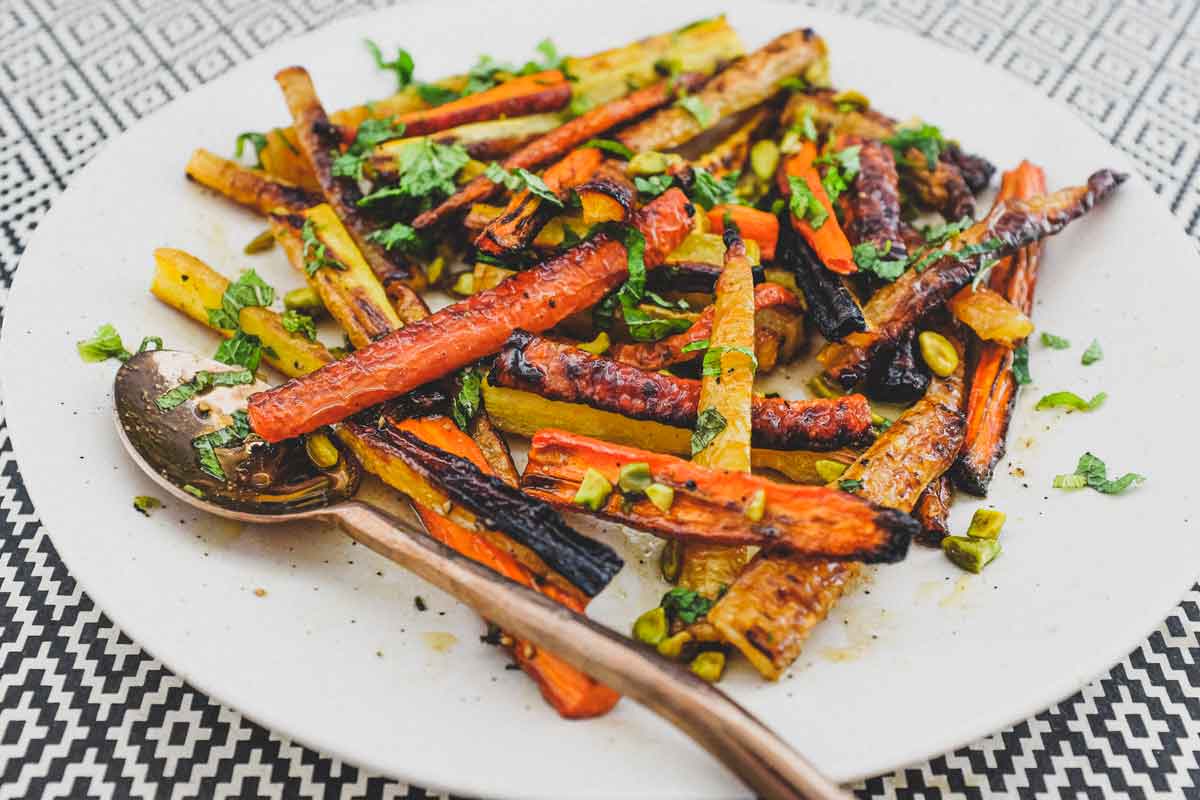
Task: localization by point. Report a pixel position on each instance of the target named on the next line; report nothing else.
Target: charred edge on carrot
(830, 303)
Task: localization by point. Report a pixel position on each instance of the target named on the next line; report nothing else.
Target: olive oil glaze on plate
(320, 640)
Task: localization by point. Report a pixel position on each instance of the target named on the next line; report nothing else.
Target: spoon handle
(764, 762)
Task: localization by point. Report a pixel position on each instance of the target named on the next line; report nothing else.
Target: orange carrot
(572, 693)
(761, 226)
(828, 240)
(528, 94)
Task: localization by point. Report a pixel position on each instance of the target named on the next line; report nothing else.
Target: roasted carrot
(247, 187)
(871, 206)
(560, 371)
(667, 352)
(710, 504)
(527, 94)
(933, 511)
(319, 140)
(572, 693)
(558, 142)
(993, 387)
(761, 226)
(526, 212)
(827, 240)
(535, 299)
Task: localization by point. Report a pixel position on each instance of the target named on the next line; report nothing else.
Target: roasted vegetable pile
(627, 241)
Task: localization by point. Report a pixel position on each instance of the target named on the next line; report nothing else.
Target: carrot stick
(247, 187)
(572, 693)
(525, 213)
(761, 226)
(535, 299)
(829, 240)
(562, 139)
(528, 94)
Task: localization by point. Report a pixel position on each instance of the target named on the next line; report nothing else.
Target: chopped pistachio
(305, 300)
(938, 353)
(652, 162)
(144, 504)
(764, 158)
(709, 665)
(321, 451)
(757, 505)
(651, 627)
(672, 646)
(634, 478)
(969, 553)
(670, 560)
(260, 244)
(986, 524)
(593, 490)
(829, 471)
(663, 497)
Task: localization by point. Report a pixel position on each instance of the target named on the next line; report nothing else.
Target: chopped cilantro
(870, 258)
(230, 436)
(709, 423)
(804, 204)
(1071, 400)
(522, 179)
(467, 401)
(1055, 342)
(686, 605)
(257, 140)
(401, 65)
(295, 322)
(200, 383)
(1092, 472)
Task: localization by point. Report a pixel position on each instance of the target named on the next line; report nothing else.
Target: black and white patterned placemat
(85, 713)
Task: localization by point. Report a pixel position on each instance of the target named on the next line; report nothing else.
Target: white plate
(921, 660)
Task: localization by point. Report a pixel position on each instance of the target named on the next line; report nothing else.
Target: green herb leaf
(467, 401)
(843, 168)
(519, 179)
(611, 146)
(709, 423)
(436, 95)
(870, 258)
(1070, 400)
(257, 140)
(691, 347)
(695, 106)
(1091, 471)
(201, 382)
(1092, 354)
(295, 322)
(244, 350)
(370, 134)
(316, 253)
(943, 232)
(247, 291)
(686, 605)
(1020, 366)
(644, 327)
(654, 185)
(105, 344)
(806, 127)
(426, 170)
(402, 64)
(399, 236)
(804, 205)
(150, 340)
(144, 504)
(1054, 342)
(712, 359)
(793, 84)
(708, 191)
(927, 139)
(850, 485)
(230, 436)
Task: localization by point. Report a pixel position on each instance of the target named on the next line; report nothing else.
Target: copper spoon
(281, 484)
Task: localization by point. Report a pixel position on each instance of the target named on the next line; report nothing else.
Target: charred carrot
(572, 693)
(717, 506)
(827, 239)
(993, 387)
(528, 94)
(559, 371)
(761, 226)
(559, 141)
(526, 212)
(535, 299)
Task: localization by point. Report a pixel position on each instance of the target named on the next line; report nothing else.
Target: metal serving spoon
(279, 483)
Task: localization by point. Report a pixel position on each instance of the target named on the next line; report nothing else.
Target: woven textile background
(85, 713)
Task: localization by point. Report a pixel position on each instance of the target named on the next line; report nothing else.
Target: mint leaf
(709, 191)
(247, 291)
(230, 436)
(709, 423)
(105, 344)
(695, 106)
(243, 349)
(1055, 342)
(1091, 471)
(257, 140)
(686, 605)
(870, 258)
(467, 401)
(1070, 400)
(611, 146)
(201, 382)
(804, 205)
(401, 65)
(295, 322)
(1092, 354)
